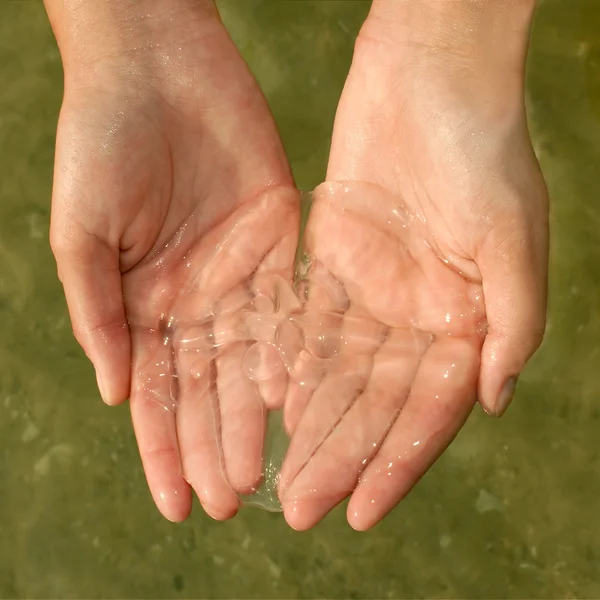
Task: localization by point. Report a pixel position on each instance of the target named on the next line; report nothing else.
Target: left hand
(435, 245)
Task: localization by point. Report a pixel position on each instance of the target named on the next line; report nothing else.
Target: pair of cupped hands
(174, 205)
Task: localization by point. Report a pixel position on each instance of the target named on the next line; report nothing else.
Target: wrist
(128, 37)
(467, 30)
(471, 52)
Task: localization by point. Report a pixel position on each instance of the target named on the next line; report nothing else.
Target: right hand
(163, 145)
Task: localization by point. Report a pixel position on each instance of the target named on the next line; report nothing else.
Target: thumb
(85, 238)
(89, 270)
(513, 261)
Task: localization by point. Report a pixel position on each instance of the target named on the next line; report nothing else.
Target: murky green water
(511, 510)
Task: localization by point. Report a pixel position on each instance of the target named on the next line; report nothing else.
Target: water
(509, 511)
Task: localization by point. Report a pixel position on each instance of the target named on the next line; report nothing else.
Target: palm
(185, 167)
(398, 353)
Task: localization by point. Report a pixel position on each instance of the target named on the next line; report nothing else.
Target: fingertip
(357, 521)
(223, 512)
(498, 405)
(111, 395)
(359, 525)
(247, 485)
(112, 402)
(297, 517)
(176, 518)
(358, 518)
(304, 507)
(366, 509)
(175, 504)
(501, 365)
(217, 498)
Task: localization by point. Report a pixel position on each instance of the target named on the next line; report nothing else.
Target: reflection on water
(509, 511)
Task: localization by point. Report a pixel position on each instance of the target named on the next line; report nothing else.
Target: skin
(434, 125)
(173, 202)
(165, 152)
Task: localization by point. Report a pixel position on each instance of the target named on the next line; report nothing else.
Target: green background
(511, 510)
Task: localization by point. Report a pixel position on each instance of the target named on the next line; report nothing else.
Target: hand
(429, 258)
(171, 191)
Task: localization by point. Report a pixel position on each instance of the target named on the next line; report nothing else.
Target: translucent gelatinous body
(353, 358)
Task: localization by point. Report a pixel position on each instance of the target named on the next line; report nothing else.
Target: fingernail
(505, 397)
(101, 387)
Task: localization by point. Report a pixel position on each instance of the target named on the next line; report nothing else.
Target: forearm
(135, 32)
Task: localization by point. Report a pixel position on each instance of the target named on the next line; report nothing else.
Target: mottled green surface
(510, 511)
